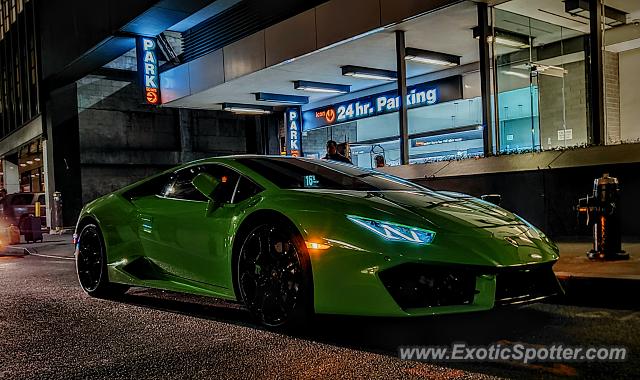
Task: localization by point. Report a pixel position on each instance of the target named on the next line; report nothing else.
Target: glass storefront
(621, 61)
(540, 86)
(441, 131)
(30, 167)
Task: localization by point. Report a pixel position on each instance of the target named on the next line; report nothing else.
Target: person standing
(379, 161)
(332, 153)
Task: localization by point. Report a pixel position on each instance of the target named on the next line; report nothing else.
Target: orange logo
(330, 115)
(152, 95)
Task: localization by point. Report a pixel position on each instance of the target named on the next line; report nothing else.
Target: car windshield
(303, 173)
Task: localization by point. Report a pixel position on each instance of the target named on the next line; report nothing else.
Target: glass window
(180, 187)
(42, 199)
(245, 190)
(621, 61)
(540, 67)
(290, 173)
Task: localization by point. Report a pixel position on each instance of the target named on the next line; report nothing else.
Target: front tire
(91, 264)
(274, 276)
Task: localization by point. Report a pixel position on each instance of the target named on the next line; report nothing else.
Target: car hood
(469, 230)
(443, 210)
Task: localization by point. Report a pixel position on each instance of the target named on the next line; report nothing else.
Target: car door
(178, 233)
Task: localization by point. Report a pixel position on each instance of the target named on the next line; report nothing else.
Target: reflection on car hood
(443, 209)
(473, 211)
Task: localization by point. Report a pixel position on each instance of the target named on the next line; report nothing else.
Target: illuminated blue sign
(419, 95)
(148, 69)
(294, 130)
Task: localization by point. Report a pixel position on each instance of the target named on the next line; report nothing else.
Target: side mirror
(207, 185)
(496, 199)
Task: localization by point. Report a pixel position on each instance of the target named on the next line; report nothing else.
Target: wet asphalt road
(50, 329)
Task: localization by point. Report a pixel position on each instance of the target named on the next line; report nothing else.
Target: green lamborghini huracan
(288, 237)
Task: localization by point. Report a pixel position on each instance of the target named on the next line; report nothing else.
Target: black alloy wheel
(273, 276)
(91, 264)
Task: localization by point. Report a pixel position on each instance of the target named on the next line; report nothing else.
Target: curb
(564, 276)
(14, 251)
(24, 251)
(599, 291)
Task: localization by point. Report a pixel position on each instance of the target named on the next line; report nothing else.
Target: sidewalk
(598, 283)
(574, 263)
(55, 246)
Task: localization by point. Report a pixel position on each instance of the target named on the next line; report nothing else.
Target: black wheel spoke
(270, 274)
(89, 259)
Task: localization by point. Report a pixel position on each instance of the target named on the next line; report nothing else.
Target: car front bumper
(352, 282)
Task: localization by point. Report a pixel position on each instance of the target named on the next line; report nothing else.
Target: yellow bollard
(37, 211)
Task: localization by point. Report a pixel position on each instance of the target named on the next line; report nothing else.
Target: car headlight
(394, 231)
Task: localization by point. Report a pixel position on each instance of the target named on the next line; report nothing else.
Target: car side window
(41, 199)
(245, 190)
(227, 179)
(179, 185)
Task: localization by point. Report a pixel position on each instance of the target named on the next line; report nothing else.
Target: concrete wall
(123, 140)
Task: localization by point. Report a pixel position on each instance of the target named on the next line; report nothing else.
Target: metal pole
(596, 75)
(402, 93)
(485, 77)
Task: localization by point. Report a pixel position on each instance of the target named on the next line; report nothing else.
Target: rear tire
(274, 276)
(91, 264)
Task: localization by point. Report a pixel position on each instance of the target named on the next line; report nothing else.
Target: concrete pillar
(186, 135)
(47, 193)
(403, 120)
(485, 77)
(596, 74)
(11, 176)
(63, 172)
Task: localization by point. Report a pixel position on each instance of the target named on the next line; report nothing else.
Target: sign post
(148, 69)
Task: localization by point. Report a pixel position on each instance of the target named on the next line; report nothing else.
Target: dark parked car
(17, 206)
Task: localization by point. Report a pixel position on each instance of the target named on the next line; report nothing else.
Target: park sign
(148, 69)
(294, 131)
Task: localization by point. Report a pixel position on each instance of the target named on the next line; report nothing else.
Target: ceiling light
(554, 71)
(246, 109)
(37, 159)
(321, 87)
(369, 73)
(23, 164)
(516, 74)
(431, 57)
(505, 38)
(281, 98)
(29, 162)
